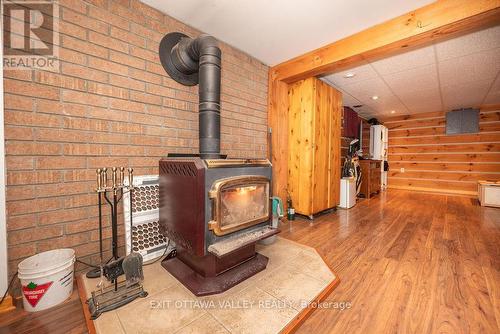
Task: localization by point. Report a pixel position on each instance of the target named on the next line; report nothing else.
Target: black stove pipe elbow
(191, 61)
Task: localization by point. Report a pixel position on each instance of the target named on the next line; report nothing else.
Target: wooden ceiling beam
(435, 22)
(439, 20)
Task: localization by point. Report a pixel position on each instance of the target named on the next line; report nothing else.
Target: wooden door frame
(435, 22)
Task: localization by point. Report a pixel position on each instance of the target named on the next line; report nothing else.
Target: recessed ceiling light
(374, 97)
(349, 75)
(393, 111)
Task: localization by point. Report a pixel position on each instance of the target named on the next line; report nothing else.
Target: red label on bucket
(33, 292)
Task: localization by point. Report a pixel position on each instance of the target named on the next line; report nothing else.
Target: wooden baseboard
(436, 191)
(7, 304)
(83, 300)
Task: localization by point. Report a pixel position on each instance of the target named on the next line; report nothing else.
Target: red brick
(144, 76)
(16, 193)
(144, 54)
(32, 148)
(145, 98)
(127, 150)
(125, 59)
(76, 5)
(55, 107)
(126, 105)
(60, 162)
(103, 89)
(61, 216)
(20, 222)
(72, 30)
(107, 17)
(84, 47)
(126, 82)
(84, 98)
(107, 66)
(33, 205)
(22, 251)
(30, 89)
(72, 56)
(85, 149)
(19, 163)
(128, 37)
(146, 10)
(18, 133)
(54, 79)
(63, 242)
(31, 119)
(14, 102)
(84, 72)
(84, 21)
(33, 177)
(107, 42)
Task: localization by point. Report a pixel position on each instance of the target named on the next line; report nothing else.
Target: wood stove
(214, 209)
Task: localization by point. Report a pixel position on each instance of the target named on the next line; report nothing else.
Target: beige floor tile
(313, 265)
(254, 311)
(205, 324)
(293, 286)
(108, 323)
(163, 312)
(279, 253)
(157, 278)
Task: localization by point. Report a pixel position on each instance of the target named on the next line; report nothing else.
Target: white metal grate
(145, 237)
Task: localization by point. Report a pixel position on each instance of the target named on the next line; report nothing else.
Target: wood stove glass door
(239, 202)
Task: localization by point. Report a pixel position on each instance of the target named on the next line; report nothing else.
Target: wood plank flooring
(409, 263)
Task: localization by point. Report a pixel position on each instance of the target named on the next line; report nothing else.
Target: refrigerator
(379, 143)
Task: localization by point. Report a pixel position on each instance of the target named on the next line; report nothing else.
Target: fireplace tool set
(118, 293)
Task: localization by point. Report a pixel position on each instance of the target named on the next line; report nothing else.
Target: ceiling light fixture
(393, 111)
(374, 97)
(349, 75)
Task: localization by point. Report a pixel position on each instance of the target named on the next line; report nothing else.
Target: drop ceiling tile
(478, 41)
(424, 77)
(364, 90)
(404, 61)
(361, 73)
(427, 99)
(465, 95)
(474, 67)
(387, 105)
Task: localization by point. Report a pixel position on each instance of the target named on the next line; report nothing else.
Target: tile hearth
(264, 303)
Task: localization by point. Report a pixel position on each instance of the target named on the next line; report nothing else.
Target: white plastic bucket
(46, 278)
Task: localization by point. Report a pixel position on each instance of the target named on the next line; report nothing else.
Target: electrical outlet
(402, 169)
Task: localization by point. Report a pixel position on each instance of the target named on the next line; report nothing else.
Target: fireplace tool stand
(119, 293)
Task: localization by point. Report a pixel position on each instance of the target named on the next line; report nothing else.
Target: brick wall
(111, 104)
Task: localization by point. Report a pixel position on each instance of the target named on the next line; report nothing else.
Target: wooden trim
(306, 312)
(7, 304)
(437, 21)
(83, 300)
(299, 319)
(433, 191)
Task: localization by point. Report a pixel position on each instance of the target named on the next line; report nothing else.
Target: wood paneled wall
(436, 162)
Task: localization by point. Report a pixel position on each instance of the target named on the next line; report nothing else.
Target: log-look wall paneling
(434, 22)
(314, 146)
(422, 157)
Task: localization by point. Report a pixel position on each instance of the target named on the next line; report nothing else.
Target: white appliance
(379, 143)
(347, 192)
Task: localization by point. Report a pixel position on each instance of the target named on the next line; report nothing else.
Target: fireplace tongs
(232, 244)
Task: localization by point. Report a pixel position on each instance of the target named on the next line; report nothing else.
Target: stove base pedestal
(203, 286)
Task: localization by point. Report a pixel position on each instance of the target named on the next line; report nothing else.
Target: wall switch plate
(402, 169)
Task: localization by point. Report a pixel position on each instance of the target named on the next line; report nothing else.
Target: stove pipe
(191, 61)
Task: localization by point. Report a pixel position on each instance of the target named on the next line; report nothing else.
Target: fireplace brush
(131, 265)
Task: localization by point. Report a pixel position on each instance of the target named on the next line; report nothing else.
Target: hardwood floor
(66, 318)
(408, 263)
